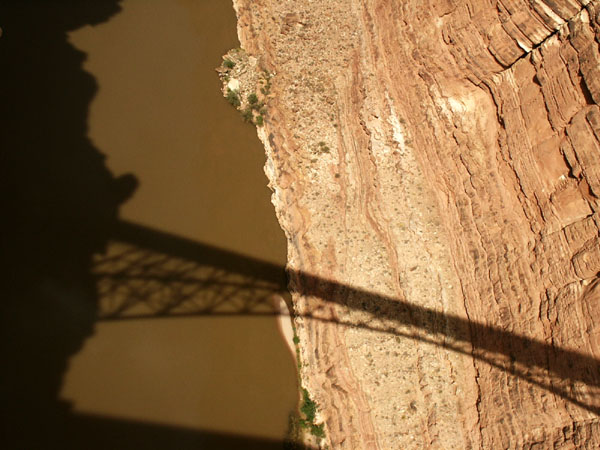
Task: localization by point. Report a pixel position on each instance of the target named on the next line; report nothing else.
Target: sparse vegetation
(303, 419)
(309, 407)
(323, 148)
(233, 98)
(250, 104)
(318, 430)
(247, 114)
(266, 89)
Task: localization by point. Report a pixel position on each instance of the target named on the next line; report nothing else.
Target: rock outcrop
(436, 169)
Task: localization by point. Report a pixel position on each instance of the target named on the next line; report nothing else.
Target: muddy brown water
(159, 114)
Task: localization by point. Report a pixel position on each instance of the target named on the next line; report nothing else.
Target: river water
(159, 114)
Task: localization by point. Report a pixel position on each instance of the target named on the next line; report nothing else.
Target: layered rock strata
(436, 169)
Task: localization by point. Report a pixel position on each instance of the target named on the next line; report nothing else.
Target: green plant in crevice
(252, 99)
(229, 64)
(309, 407)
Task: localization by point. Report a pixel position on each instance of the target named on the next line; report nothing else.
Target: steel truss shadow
(147, 273)
(154, 274)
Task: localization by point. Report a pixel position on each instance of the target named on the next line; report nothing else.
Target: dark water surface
(158, 113)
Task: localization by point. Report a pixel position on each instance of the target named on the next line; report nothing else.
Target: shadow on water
(193, 291)
(60, 208)
(59, 204)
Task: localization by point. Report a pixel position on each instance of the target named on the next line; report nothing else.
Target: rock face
(436, 169)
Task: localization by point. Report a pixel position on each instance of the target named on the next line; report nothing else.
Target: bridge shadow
(149, 273)
(60, 207)
(552, 368)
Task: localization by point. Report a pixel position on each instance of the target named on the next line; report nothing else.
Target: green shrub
(309, 407)
(252, 99)
(267, 87)
(233, 97)
(259, 121)
(247, 115)
(318, 430)
(229, 64)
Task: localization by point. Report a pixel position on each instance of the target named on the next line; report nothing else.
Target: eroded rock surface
(436, 169)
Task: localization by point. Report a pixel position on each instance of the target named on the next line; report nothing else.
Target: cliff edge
(436, 169)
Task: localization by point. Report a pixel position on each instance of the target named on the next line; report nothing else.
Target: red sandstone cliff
(436, 169)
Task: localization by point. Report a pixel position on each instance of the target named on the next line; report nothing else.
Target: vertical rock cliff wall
(436, 169)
